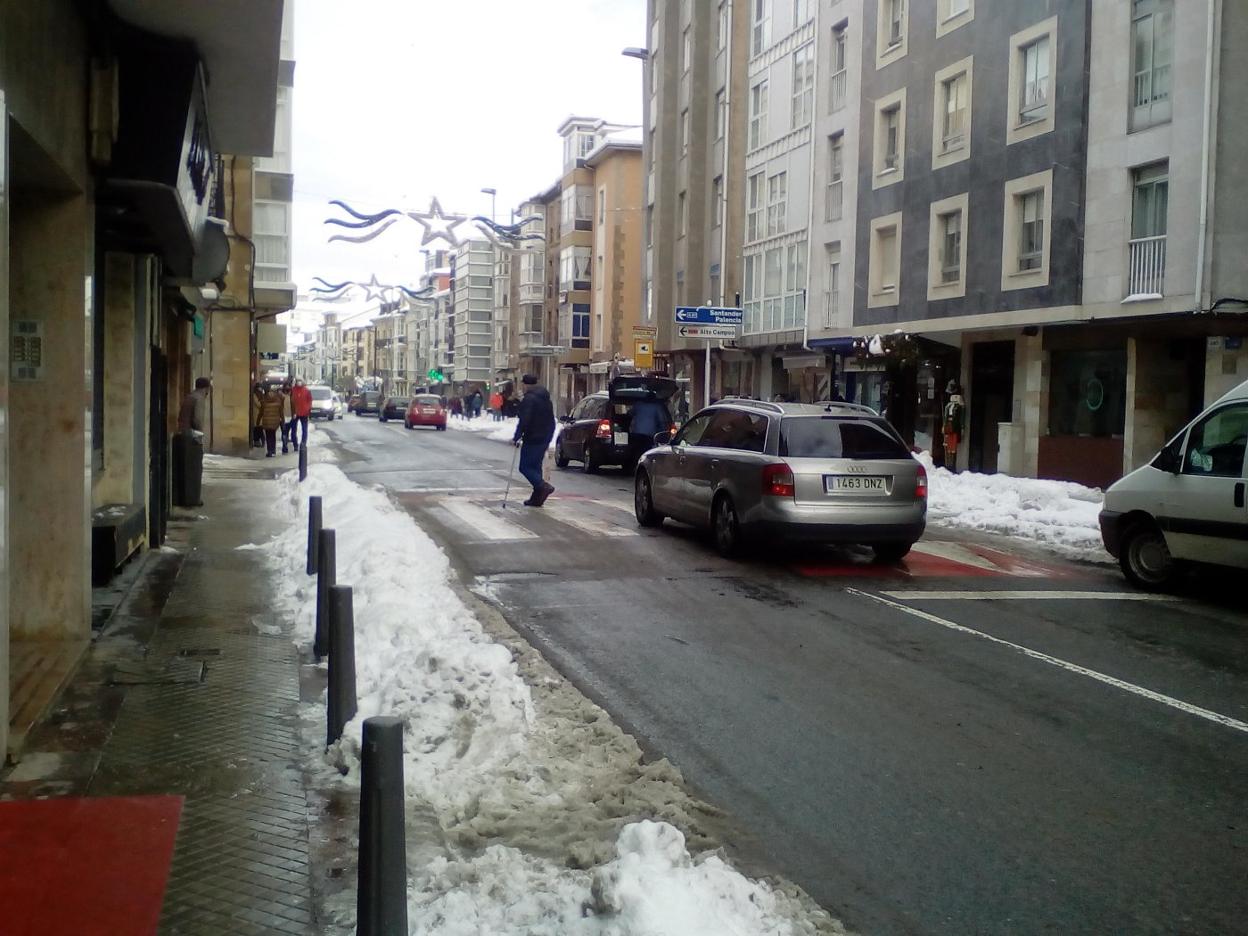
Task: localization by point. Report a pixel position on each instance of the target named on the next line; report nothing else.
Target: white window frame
(1022, 126)
(777, 203)
(686, 50)
(888, 51)
(1152, 88)
(834, 196)
(760, 26)
(758, 115)
(1012, 276)
(937, 261)
(721, 35)
(952, 14)
(801, 12)
(880, 268)
(838, 80)
(721, 113)
(803, 86)
(717, 193)
(755, 207)
(832, 285)
(682, 214)
(882, 174)
(684, 132)
(263, 237)
(941, 155)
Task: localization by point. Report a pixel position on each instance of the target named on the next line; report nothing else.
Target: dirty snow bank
(523, 798)
(1059, 515)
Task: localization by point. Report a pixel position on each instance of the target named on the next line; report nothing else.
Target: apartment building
(779, 131)
(472, 287)
(390, 348)
(839, 29)
(504, 364)
(273, 191)
(529, 290)
(615, 299)
(1015, 223)
(694, 153)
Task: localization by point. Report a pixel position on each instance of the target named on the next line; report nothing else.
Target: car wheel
(891, 552)
(726, 527)
(643, 502)
(1145, 559)
(590, 463)
(561, 460)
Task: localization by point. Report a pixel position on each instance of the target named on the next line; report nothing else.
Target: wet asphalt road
(931, 749)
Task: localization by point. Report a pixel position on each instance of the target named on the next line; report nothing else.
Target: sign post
(708, 323)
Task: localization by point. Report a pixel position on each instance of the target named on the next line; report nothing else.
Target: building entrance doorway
(992, 391)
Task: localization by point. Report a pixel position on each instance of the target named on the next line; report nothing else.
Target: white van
(1187, 504)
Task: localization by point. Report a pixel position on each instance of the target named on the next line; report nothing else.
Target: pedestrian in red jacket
(301, 403)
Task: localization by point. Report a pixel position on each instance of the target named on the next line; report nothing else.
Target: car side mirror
(1169, 459)
(662, 438)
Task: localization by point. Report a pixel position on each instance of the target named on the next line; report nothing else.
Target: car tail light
(604, 429)
(778, 481)
(920, 483)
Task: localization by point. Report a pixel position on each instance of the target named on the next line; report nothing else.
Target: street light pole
(493, 193)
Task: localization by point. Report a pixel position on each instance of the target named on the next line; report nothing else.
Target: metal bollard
(325, 575)
(381, 887)
(341, 706)
(314, 531)
(303, 462)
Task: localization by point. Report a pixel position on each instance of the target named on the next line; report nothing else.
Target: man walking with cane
(533, 434)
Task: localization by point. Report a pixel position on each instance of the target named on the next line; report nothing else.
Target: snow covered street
(546, 817)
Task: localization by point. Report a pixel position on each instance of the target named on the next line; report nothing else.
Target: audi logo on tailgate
(856, 469)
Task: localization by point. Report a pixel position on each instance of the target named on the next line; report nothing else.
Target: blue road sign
(708, 315)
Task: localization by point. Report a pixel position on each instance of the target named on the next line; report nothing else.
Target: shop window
(1088, 393)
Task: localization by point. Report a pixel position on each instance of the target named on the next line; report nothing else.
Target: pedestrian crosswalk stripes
(484, 523)
(588, 523)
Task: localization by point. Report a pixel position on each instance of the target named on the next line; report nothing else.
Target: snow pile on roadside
(522, 796)
(1059, 515)
(501, 431)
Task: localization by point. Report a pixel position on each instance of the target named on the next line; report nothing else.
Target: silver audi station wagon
(752, 471)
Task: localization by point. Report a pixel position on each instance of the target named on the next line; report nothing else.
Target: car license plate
(855, 484)
(621, 438)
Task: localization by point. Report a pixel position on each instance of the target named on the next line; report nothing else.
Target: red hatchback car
(425, 409)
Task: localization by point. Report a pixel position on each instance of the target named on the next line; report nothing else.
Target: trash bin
(188, 470)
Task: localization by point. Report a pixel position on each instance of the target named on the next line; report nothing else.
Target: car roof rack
(761, 404)
(843, 404)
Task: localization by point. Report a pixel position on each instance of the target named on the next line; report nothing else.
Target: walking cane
(515, 452)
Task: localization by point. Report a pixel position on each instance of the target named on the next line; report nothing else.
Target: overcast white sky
(396, 101)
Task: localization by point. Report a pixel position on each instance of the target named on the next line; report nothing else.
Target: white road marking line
(485, 523)
(1174, 703)
(1026, 596)
(955, 552)
(586, 523)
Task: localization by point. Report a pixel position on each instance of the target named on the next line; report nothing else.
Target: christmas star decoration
(438, 224)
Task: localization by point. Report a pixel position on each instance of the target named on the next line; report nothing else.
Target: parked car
(369, 402)
(596, 432)
(392, 407)
(754, 471)
(425, 409)
(325, 404)
(1188, 503)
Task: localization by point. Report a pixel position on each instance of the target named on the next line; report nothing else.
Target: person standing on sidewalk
(496, 405)
(271, 418)
(301, 403)
(533, 434)
(288, 419)
(194, 410)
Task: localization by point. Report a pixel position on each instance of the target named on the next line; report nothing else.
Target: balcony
(1146, 267)
(834, 199)
(532, 292)
(837, 90)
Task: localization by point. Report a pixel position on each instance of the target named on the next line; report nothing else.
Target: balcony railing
(834, 201)
(1146, 267)
(839, 81)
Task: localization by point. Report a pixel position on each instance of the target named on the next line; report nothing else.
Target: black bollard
(341, 707)
(381, 888)
(303, 462)
(325, 574)
(314, 531)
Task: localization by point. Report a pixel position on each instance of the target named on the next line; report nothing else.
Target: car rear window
(838, 437)
(428, 400)
(321, 393)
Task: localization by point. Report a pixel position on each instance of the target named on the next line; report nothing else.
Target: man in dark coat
(533, 434)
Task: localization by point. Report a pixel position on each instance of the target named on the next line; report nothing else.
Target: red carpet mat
(85, 866)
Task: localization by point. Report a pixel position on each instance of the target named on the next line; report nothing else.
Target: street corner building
(144, 216)
(1035, 201)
